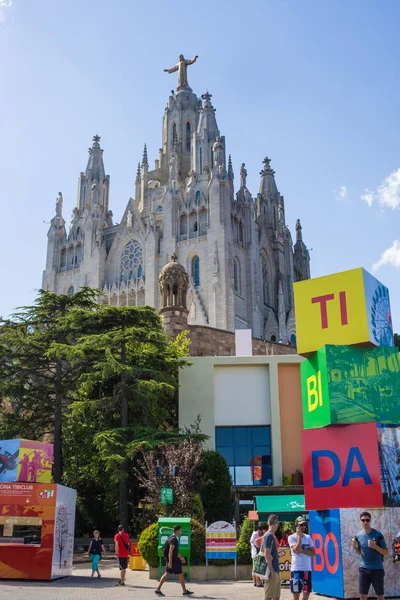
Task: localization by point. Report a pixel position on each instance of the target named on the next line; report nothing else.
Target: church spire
(138, 174)
(267, 184)
(95, 166)
(145, 159)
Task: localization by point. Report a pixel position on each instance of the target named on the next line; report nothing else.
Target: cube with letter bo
(351, 307)
(345, 384)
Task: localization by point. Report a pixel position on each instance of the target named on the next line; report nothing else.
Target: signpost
(167, 496)
(220, 542)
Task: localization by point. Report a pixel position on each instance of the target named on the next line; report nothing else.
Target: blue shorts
(300, 581)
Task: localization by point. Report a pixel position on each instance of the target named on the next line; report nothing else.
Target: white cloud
(368, 196)
(387, 194)
(3, 5)
(341, 193)
(391, 257)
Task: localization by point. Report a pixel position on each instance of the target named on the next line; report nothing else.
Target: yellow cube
(351, 307)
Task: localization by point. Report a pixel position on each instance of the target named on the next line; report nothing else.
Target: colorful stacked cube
(351, 410)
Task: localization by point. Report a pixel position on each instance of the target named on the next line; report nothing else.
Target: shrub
(198, 543)
(148, 544)
(243, 546)
(216, 489)
(197, 511)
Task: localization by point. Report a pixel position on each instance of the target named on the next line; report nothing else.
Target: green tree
(397, 340)
(243, 545)
(35, 385)
(215, 490)
(130, 381)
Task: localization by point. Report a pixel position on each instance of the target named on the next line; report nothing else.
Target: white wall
(242, 395)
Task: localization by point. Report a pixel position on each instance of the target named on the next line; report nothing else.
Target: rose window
(132, 261)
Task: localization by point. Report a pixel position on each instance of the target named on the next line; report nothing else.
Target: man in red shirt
(122, 547)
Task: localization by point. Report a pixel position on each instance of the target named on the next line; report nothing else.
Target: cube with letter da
(345, 384)
(351, 307)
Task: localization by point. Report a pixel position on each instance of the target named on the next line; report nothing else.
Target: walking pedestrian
(302, 551)
(173, 562)
(255, 548)
(96, 547)
(122, 547)
(370, 545)
(272, 585)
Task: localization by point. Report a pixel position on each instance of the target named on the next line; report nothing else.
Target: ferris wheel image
(381, 317)
(389, 455)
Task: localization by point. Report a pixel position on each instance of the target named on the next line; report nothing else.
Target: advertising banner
(221, 540)
(285, 561)
(25, 460)
(64, 527)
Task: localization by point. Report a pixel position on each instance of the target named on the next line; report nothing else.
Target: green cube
(347, 384)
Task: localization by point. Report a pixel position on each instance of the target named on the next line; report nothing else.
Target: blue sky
(314, 85)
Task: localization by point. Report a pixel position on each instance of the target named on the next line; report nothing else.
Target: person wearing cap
(302, 551)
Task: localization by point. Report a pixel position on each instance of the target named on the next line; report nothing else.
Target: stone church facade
(236, 249)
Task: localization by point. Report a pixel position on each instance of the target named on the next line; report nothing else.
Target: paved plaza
(139, 587)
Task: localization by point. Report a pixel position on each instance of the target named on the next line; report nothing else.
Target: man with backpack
(122, 546)
(173, 562)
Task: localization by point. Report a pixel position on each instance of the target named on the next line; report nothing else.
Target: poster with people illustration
(35, 461)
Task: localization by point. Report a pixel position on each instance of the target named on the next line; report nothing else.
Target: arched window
(198, 197)
(201, 159)
(196, 271)
(236, 276)
(188, 136)
(132, 261)
(241, 234)
(159, 209)
(195, 227)
(78, 231)
(173, 134)
(273, 338)
(265, 282)
(71, 290)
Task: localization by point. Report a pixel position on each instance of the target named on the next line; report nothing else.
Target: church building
(236, 248)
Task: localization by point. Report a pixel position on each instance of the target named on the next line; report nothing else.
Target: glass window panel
(261, 436)
(227, 453)
(243, 455)
(263, 451)
(243, 476)
(242, 436)
(224, 436)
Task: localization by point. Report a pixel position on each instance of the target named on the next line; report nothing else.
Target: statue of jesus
(182, 68)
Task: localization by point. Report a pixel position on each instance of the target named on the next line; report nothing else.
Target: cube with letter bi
(351, 307)
(351, 384)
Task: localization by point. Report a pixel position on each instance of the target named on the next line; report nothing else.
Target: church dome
(173, 268)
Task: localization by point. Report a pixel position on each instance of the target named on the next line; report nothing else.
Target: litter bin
(136, 562)
(165, 529)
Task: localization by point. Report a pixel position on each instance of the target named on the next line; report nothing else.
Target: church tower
(236, 251)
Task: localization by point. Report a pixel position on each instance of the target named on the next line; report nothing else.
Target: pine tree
(130, 379)
(35, 385)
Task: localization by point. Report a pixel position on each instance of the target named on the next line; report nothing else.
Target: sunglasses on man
(365, 520)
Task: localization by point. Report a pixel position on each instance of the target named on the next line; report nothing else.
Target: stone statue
(59, 203)
(182, 68)
(95, 193)
(243, 175)
(129, 217)
(173, 167)
(218, 152)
